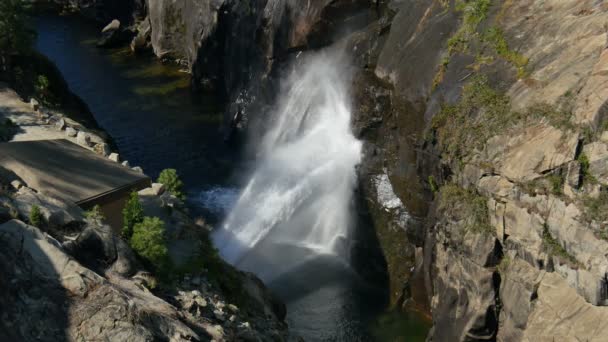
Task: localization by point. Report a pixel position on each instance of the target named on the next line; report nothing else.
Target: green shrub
(132, 214)
(95, 214)
(433, 184)
(596, 209)
(148, 241)
(36, 218)
(171, 180)
(16, 36)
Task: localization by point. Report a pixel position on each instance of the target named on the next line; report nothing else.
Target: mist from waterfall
(299, 195)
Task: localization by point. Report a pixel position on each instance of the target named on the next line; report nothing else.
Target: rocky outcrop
(49, 296)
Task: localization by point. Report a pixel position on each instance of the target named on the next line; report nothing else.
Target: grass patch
(481, 113)
(467, 207)
(586, 176)
(495, 38)
(554, 248)
(504, 264)
(596, 209)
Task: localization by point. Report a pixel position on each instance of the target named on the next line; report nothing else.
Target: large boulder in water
(114, 35)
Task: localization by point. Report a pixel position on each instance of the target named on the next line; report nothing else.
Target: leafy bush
(132, 214)
(148, 241)
(95, 214)
(171, 180)
(16, 36)
(36, 218)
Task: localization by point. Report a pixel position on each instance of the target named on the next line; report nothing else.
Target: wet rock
(114, 35)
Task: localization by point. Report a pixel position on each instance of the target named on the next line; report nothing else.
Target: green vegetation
(473, 13)
(553, 247)
(171, 180)
(587, 177)
(433, 184)
(557, 183)
(481, 113)
(504, 264)
(148, 241)
(132, 213)
(15, 34)
(596, 209)
(95, 214)
(467, 207)
(496, 39)
(219, 273)
(36, 218)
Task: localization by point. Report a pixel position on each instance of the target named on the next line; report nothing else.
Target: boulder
(71, 132)
(34, 104)
(137, 169)
(83, 139)
(126, 163)
(112, 26)
(114, 35)
(103, 149)
(114, 157)
(17, 184)
(60, 125)
(100, 249)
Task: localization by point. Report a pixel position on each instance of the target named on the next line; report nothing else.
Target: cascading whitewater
(300, 192)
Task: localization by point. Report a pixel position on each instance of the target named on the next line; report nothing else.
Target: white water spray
(300, 192)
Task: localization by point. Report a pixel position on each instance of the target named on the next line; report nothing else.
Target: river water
(157, 123)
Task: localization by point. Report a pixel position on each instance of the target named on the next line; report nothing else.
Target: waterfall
(300, 192)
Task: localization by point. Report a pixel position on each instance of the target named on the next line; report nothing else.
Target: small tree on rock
(36, 218)
(148, 241)
(171, 180)
(133, 213)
